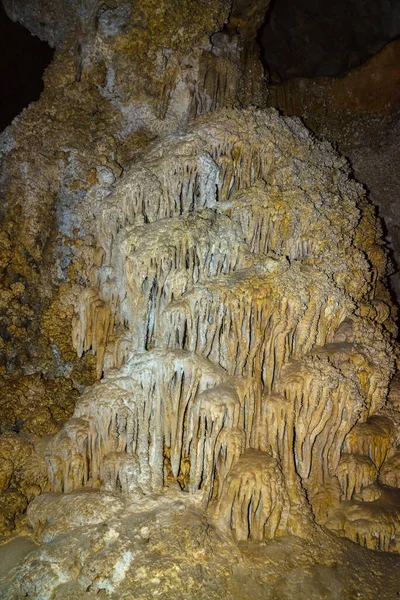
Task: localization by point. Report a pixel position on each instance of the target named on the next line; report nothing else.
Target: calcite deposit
(225, 312)
(217, 300)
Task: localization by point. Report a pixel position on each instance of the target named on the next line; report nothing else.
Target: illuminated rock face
(234, 262)
(213, 289)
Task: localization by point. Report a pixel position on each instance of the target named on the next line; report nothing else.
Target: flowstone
(198, 352)
(237, 362)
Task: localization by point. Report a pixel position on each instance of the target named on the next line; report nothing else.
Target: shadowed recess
(23, 59)
(312, 38)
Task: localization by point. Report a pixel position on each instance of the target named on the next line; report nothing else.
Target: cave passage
(23, 59)
(312, 38)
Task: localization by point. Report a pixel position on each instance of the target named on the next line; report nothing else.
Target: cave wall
(207, 277)
(311, 38)
(360, 112)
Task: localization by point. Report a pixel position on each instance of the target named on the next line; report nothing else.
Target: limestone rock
(235, 360)
(23, 476)
(389, 473)
(373, 524)
(219, 274)
(355, 472)
(213, 287)
(253, 501)
(122, 76)
(373, 438)
(168, 550)
(360, 112)
(50, 515)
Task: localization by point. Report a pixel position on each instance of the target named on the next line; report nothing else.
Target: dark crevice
(312, 38)
(24, 58)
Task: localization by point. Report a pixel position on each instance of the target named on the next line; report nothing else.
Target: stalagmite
(253, 500)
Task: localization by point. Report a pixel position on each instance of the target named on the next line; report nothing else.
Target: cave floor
(171, 550)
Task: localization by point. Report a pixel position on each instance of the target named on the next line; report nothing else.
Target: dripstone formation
(225, 313)
(226, 290)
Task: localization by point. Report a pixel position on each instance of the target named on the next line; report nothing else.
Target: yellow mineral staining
(373, 438)
(231, 356)
(325, 405)
(36, 405)
(211, 285)
(60, 312)
(373, 523)
(223, 299)
(389, 473)
(23, 476)
(371, 518)
(96, 318)
(253, 500)
(355, 472)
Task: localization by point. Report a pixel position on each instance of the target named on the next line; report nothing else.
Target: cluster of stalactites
(169, 405)
(219, 312)
(139, 411)
(227, 204)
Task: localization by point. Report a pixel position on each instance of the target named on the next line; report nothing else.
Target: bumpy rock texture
(212, 283)
(241, 331)
(122, 76)
(361, 113)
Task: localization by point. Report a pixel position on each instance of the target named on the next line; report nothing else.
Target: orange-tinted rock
(372, 88)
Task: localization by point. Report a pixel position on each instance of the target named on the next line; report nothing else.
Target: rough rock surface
(164, 548)
(239, 352)
(122, 75)
(213, 284)
(361, 113)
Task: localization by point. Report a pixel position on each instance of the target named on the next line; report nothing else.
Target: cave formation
(200, 395)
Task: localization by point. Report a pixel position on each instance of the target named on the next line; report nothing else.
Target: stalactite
(216, 411)
(226, 317)
(108, 440)
(355, 473)
(326, 407)
(372, 438)
(389, 473)
(373, 524)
